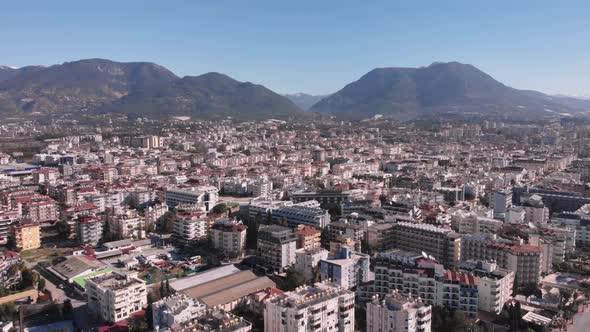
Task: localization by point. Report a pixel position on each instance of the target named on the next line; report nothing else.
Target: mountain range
(148, 89)
(441, 89)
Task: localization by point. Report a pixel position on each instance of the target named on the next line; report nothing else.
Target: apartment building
(346, 228)
(495, 284)
(308, 237)
(302, 215)
(89, 230)
(441, 243)
(190, 227)
(206, 196)
(325, 197)
(276, 247)
(114, 297)
(501, 201)
(347, 269)
(175, 310)
(397, 312)
(307, 260)
(263, 206)
(414, 274)
(7, 219)
(229, 236)
(322, 307)
(471, 223)
(524, 260)
(26, 235)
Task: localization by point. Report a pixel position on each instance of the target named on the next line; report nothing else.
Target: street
(83, 319)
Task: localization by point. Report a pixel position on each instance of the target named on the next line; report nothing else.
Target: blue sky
(310, 46)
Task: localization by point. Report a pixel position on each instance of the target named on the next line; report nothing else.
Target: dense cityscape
(274, 225)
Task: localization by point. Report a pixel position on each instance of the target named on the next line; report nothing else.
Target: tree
(294, 279)
(7, 312)
(41, 284)
(68, 307)
(325, 237)
(149, 313)
(284, 222)
(269, 218)
(63, 228)
(219, 208)
(448, 320)
(166, 222)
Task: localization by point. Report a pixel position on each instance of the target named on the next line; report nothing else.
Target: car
(60, 286)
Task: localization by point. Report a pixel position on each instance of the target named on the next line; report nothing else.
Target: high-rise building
(524, 260)
(420, 276)
(495, 284)
(441, 243)
(175, 310)
(229, 236)
(205, 195)
(397, 312)
(114, 297)
(346, 269)
(26, 235)
(276, 247)
(322, 307)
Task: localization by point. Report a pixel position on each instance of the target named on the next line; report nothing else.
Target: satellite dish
(424, 255)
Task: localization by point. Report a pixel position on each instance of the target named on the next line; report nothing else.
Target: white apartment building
(126, 226)
(276, 247)
(175, 310)
(263, 206)
(495, 284)
(412, 273)
(501, 201)
(397, 312)
(307, 260)
(472, 223)
(153, 213)
(190, 227)
(346, 269)
(229, 236)
(524, 260)
(322, 307)
(114, 297)
(205, 195)
(89, 230)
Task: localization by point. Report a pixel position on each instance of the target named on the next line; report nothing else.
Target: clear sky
(310, 46)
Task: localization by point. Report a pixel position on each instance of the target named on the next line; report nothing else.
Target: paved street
(581, 322)
(82, 316)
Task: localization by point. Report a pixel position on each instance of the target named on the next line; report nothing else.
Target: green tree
(166, 222)
(63, 228)
(269, 218)
(294, 279)
(41, 284)
(219, 208)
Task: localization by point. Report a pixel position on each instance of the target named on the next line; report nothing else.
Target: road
(581, 322)
(83, 319)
